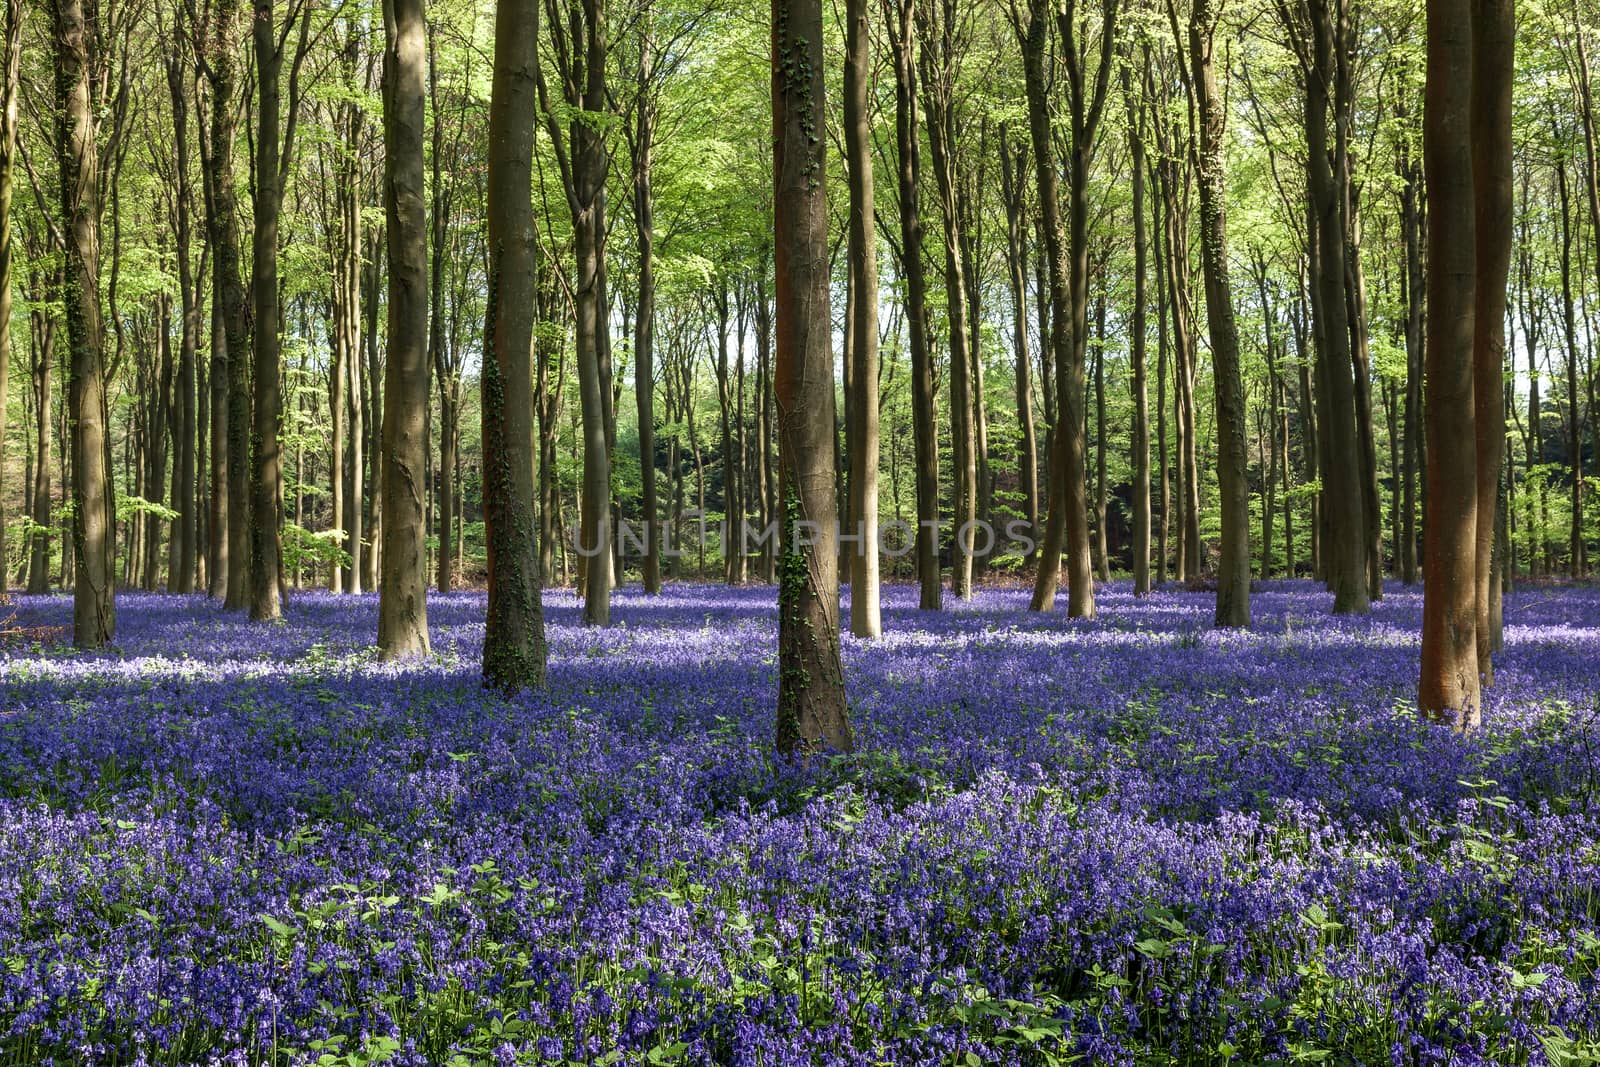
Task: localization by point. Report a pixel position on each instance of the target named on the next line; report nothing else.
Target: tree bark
(403, 591)
(1493, 49)
(813, 716)
(865, 614)
(1137, 343)
(514, 644)
(1449, 686)
(1345, 548)
(10, 95)
(1012, 176)
(924, 415)
(1233, 458)
(94, 614)
(266, 467)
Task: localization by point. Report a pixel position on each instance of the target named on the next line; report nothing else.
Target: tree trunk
(10, 95)
(231, 327)
(1449, 686)
(1233, 458)
(1345, 550)
(924, 416)
(812, 712)
(642, 145)
(1012, 177)
(1067, 527)
(1137, 344)
(266, 466)
(1493, 47)
(403, 592)
(181, 560)
(514, 644)
(938, 86)
(1412, 286)
(42, 343)
(94, 614)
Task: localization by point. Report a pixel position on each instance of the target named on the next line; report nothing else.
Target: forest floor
(1131, 841)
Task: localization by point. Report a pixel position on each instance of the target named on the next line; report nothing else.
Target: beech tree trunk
(1137, 343)
(514, 652)
(94, 604)
(1012, 178)
(181, 557)
(1449, 685)
(924, 415)
(1233, 457)
(10, 95)
(403, 591)
(266, 468)
(813, 715)
(865, 614)
(1493, 49)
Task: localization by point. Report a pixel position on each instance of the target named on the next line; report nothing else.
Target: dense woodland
(976, 533)
(321, 294)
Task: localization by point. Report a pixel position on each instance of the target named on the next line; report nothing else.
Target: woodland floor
(1132, 841)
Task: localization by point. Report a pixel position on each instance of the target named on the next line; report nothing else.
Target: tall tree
(865, 616)
(1138, 341)
(514, 643)
(900, 21)
(10, 95)
(403, 592)
(812, 712)
(1233, 459)
(1449, 686)
(1494, 27)
(1067, 527)
(579, 36)
(94, 614)
(181, 557)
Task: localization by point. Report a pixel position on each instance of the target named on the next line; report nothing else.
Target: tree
(812, 712)
(585, 160)
(1137, 353)
(94, 603)
(514, 644)
(10, 94)
(1233, 571)
(1494, 28)
(403, 593)
(865, 616)
(1449, 686)
(900, 21)
(1067, 525)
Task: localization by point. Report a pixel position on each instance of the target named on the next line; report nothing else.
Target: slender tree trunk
(439, 350)
(1012, 177)
(1137, 344)
(1493, 48)
(10, 95)
(94, 615)
(812, 712)
(1449, 686)
(403, 591)
(938, 86)
(865, 614)
(924, 416)
(1412, 289)
(1233, 455)
(1343, 512)
(644, 324)
(42, 343)
(231, 327)
(266, 467)
(514, 644)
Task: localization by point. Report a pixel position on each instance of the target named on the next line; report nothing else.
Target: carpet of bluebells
(1133, 841)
